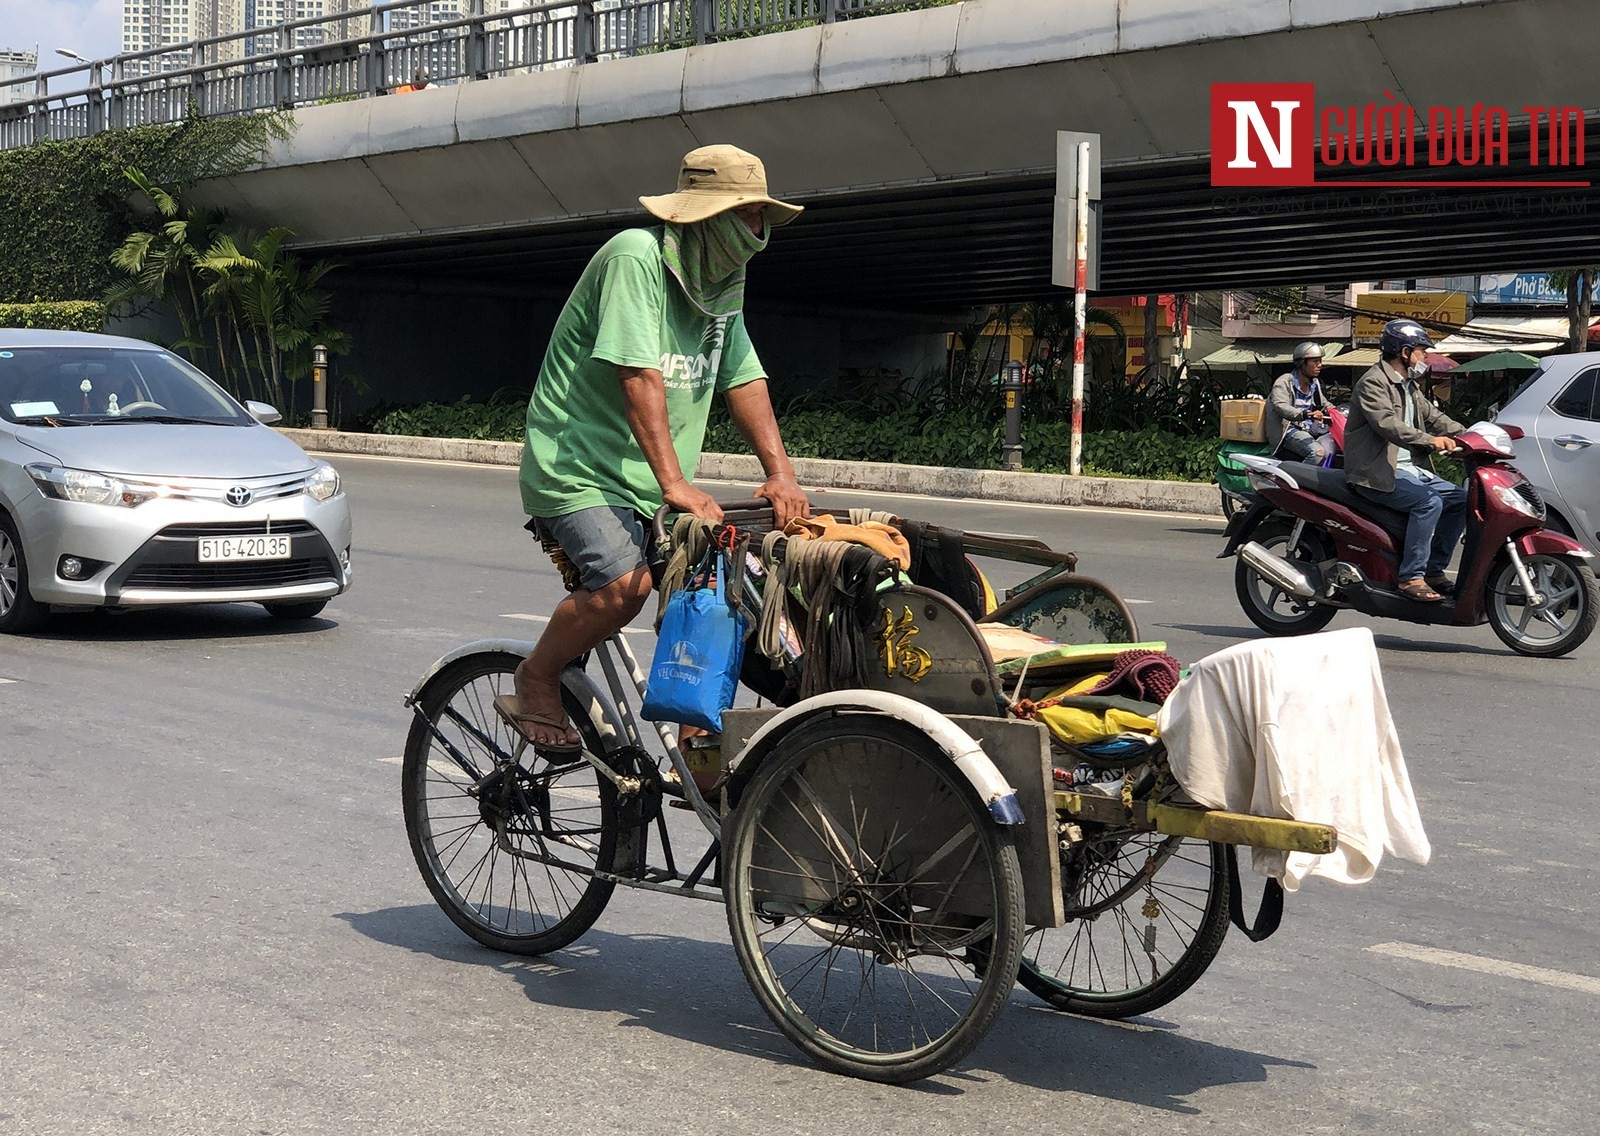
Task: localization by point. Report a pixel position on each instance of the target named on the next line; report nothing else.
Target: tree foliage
(67, 206)
(250, 312)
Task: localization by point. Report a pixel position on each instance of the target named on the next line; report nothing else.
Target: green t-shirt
(627, 310)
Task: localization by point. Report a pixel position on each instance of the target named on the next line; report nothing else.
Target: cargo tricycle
(897, 835)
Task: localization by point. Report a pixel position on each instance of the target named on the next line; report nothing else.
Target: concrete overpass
(923, 143)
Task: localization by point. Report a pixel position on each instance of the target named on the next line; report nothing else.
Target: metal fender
(476, 647)
(966, 754)
(1546, 542)
(577, 683)
(1243, 526)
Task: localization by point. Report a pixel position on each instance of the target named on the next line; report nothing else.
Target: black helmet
(1307, 350)
(1399, 334)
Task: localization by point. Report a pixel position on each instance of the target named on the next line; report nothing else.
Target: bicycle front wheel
(867, 889)
(1146, 915)
(507, 846)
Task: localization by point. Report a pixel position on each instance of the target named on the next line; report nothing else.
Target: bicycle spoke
(508, 854)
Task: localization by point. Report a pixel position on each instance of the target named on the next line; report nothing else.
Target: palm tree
(275, 299)
(161, 264)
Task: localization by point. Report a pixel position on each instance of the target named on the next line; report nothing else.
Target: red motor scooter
(1312, 547)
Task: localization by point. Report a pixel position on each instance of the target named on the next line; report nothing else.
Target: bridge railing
(372, 51)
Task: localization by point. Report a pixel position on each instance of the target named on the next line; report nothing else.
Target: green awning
(1271, 352)
(1362, 357)
(1501, 361)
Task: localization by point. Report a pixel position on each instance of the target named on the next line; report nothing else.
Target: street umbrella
(1438, 363)
(1502, 361)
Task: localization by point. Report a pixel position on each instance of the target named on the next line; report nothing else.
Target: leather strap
(1268, 915)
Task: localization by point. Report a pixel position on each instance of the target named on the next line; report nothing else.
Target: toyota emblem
(239, 496)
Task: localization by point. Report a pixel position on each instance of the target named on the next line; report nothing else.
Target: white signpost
(1075, 251)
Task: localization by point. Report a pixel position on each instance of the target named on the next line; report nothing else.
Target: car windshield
(96, 385)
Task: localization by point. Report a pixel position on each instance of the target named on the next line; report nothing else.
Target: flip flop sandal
(1421, 591)
(1441, 584)
(505, 705)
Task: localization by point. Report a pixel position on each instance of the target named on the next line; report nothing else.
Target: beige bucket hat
(713, 179)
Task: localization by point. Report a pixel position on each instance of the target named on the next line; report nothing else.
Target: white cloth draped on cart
(1298, 728)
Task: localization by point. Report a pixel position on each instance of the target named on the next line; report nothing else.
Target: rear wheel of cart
(1146, 914)
(864, 879)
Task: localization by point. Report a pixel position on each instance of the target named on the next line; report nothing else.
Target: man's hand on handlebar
(1443, 444)
(685, 498)
(788, 499)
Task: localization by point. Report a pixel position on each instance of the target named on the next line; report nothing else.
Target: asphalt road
(210, 921)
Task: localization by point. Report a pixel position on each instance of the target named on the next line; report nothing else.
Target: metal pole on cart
(1075, 252)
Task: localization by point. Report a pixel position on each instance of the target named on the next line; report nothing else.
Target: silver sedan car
(127, 477)
(1558, 412)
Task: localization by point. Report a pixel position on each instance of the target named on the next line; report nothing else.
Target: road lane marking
(546, 619)
(1496, 967)
(3, 681)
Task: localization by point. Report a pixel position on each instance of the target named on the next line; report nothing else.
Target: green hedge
(63, 315)
(496, 420)
(901, 436)
(67, 205)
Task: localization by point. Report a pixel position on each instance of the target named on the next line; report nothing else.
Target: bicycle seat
(1331, 483)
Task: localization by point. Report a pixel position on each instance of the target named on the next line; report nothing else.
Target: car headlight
(323, 482)
(87, 487)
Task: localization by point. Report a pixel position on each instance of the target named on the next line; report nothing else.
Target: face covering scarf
(708, 259)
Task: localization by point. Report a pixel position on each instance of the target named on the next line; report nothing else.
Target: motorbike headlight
(87, 487)
(323, 482)
(1510, 497)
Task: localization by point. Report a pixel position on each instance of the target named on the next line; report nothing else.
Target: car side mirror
(263, 413)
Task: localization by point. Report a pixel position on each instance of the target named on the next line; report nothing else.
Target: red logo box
(1263, 133)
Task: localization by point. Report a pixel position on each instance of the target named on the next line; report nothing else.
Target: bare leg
(580, 622)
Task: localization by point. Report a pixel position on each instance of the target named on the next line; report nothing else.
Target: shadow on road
(1421, 644)
(692, 990)
(1211, 630)
(684, 988)
(178, 623)
(1144, 1061)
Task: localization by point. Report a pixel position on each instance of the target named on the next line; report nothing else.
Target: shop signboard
(1378, 308)
(1519, 288)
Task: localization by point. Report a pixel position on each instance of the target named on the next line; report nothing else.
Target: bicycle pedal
(715, 802)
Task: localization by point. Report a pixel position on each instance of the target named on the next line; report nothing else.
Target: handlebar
(751, 510)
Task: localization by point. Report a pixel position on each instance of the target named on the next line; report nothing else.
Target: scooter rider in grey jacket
(1297, 409)
(1389, 440)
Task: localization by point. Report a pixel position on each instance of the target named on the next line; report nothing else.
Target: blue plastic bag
(699, 650)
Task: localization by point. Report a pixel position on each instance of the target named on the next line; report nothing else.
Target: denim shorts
(600, 545)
